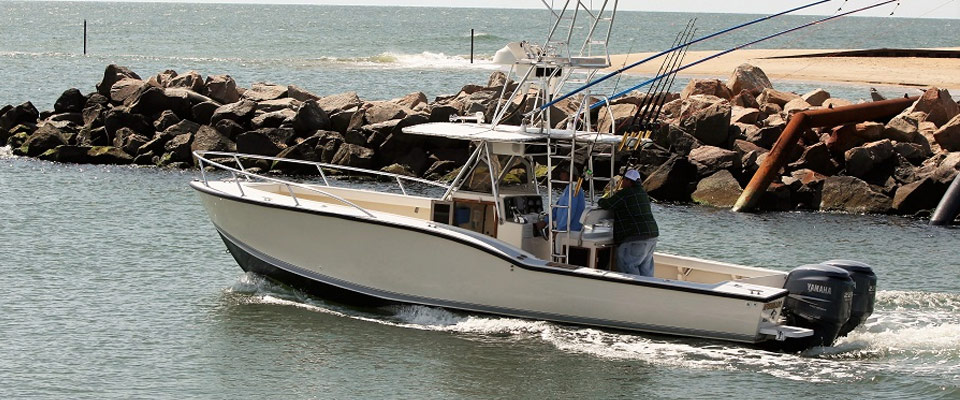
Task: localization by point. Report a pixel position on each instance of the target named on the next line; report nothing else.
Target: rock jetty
(713, 136)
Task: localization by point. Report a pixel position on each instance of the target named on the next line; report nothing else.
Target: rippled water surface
(116, 286)
(380, 52)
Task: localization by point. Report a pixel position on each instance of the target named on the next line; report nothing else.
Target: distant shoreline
(888, 71)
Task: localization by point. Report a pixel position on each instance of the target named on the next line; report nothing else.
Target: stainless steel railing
(203, 161)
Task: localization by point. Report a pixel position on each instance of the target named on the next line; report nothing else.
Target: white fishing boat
(471, 243)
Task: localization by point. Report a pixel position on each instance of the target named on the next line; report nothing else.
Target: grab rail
(399, 178)
(289, 185)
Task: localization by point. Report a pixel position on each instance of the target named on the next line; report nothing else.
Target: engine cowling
(864, 292)
(820, 299)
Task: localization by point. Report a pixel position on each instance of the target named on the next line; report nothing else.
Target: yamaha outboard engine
(864, 292)
(820, 299)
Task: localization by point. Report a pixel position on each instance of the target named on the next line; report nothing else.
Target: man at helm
(634, 230)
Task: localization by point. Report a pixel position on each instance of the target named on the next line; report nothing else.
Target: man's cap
(632, 175)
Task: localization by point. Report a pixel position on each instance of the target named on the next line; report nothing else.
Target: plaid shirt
(632, 218)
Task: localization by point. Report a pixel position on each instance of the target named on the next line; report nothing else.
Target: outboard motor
(820, 299)
(864, 292)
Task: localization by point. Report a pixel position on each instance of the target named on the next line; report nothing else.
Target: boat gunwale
(519, 261)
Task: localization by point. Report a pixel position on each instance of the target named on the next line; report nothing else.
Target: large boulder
(948, 136)
(912, 152)
(672, 181)
(113, 74)
(745, 115)
(24, 113)
(185, 128)
(443, 112)
(710, 125)
(937, 105)
(328, 144)
(805, 188)
(622, 113)
(711, 87)
(162, 79)
(411, 100)
(203, 112)
(749, 78)
(121, 117)
(240, 112)
(353, 156)
(177, 149)
(264, 91)
(272, 119)
(796, 105)
(71, 101)
(278, 104)
(45, 138)
(257, 142)
(745, 99)
(923, 194)
(904, 127)
(190, 80)
(93, 137)
(719, 190)
(229, 128)
(310, 118)
(125, 91)
(300, 94)
(93, 115)
(816, 97)
(860, 161)
(381, 111)
(222, 88)
(776, 97)
(208, 139)
(852, 195)
(710, 159)
(817, 158)
(843, 138)
(834, 103)
(339, 102)
(154, 101)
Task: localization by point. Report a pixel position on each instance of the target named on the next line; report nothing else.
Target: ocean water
(115, 284)
(380, 52)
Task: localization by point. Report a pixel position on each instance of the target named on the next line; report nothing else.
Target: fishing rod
(639, 131)
(730, 50)
(664, 66)
(672, 49)
(663, 101)
(662, 84)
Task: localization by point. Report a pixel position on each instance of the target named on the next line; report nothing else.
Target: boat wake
(915, 333)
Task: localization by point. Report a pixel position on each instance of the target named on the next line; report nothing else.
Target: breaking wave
(892, 341)
(6, 152)
(385, 60)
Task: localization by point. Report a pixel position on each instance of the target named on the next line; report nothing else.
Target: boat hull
(343, 255)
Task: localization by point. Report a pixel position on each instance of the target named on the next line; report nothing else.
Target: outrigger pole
(670, 50)
(730, 50)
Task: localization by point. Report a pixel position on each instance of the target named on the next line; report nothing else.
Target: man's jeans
(636, 256)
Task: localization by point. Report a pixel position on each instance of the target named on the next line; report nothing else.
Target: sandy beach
(898, 71)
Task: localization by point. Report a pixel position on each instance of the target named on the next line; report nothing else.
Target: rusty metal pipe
(812, 119)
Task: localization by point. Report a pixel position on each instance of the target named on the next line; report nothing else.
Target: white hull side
(406, 260)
